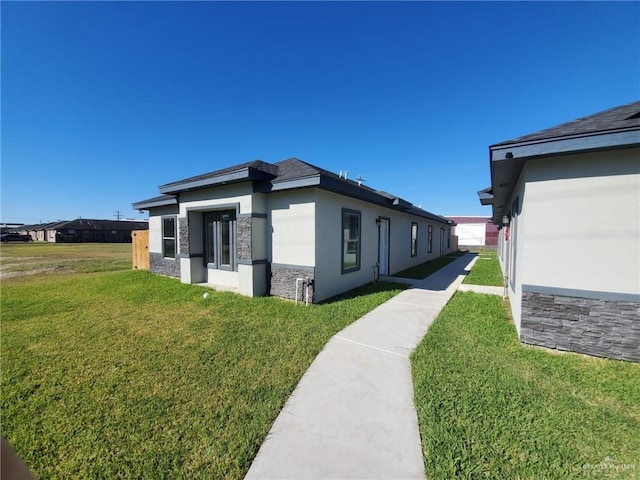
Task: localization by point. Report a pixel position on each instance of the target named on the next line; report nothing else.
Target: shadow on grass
(419, 272)
(369, 288)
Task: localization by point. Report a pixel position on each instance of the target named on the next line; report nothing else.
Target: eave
(623, 137)
(486, 196)
(163, 201)
(241, 175)
(508, 159)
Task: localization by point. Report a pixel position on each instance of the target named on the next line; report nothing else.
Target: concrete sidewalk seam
(352, 416)
(413, 304)
(371, 346)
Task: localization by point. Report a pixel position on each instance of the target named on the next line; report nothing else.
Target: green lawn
(425, 269)
(489, 407)
(125, 374)
(486, 270)
(56, 258)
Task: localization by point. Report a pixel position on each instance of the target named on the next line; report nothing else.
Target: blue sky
(104, 101)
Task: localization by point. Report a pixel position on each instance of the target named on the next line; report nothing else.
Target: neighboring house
(288, 229)
(84, 230)
(568, 203)
(475, 231)
(10, 227)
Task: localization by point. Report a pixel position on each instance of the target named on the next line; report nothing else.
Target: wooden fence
(140, 249)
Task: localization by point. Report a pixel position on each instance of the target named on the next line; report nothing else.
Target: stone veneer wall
(283, 281)
(164, 266)
(243, 238)
(604, 328)
(183, 235)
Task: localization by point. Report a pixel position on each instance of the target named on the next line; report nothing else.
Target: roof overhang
(310, 181)
(236, 176)
(349, 189)
(507, 160)
(562, 145)
(163, 201)
(486, 196)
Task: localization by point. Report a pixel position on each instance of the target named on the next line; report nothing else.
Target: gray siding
(604, 328)
(243, 238)
(183, 235)
(164, 266)
(283, 281)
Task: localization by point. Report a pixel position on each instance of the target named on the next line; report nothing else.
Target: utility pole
(117, 214)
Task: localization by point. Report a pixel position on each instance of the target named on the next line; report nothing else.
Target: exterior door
(383, 247)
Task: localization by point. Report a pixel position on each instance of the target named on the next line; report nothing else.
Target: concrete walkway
(352, 414)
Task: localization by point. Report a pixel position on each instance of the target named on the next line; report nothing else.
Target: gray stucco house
(567, 200)
(288, 229)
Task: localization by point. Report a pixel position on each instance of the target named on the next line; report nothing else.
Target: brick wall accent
(243, 238)
(164, 266)
(283, 281)
(183, 235)
(604, 328)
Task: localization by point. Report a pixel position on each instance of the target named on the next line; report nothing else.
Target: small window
(449, 238)
(169, 237)
(414, 239)
(350, 240)
(430, 239)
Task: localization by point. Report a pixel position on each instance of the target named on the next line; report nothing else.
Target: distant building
(84, 230)
(10, 227)
(475, 231)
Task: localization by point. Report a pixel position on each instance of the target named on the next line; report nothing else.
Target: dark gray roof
(42, 226)
(255, 170)
(283, 175)
(295, 169)
(614, 128)
(159, 201)
(623, 117)
(89, 224)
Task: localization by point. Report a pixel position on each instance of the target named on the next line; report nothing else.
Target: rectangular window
(414, 239)
(449, 238)
(350, 240)
(430, 239)
(514, 241)
(220, 240)
(225, 239)
(210, 257)
(169, 237)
